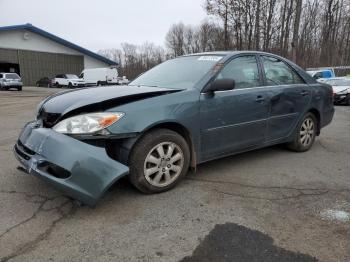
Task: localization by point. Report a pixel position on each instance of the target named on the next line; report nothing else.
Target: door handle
(260, 99)
(304, 93)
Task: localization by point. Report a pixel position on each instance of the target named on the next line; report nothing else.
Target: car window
(0, 75)
(278, 72)
(244, 70)
(70, 76)
(182, 72)
(12, 76)
(318, 75)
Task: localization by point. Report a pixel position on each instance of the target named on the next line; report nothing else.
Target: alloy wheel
(307, 132)
(163, 164)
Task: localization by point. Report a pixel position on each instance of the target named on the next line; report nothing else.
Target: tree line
(312, 33)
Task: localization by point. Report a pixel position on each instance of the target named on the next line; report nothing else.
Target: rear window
(12, 76)
(278, 72)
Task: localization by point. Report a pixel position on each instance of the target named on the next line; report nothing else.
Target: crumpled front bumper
(81, 171)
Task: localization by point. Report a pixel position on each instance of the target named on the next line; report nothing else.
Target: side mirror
(220, 85)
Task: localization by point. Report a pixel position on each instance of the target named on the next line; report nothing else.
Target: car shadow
(232, 242)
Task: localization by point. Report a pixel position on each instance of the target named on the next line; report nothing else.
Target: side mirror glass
(220, 85)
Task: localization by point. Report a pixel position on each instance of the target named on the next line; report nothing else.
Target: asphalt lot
(267, 205)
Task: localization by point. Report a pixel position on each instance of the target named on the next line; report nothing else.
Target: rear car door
(290, 97)
(236, 119)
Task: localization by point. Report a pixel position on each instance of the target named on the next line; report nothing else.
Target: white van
(100, 76)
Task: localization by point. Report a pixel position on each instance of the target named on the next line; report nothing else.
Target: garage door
(35, 65)
(8, 56)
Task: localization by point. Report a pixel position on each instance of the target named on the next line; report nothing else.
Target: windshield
(12, 76)
(183, 72)
(339, 82)
(72, 77)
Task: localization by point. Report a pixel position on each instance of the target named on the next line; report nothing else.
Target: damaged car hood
(64, 102)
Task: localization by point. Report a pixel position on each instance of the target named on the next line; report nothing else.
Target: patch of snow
(339, 215)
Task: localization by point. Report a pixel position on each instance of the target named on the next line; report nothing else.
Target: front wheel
(158, 161)
(305, 134)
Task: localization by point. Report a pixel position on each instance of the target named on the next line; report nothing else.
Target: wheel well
(124, 146)
(316, 113)
(182, 131)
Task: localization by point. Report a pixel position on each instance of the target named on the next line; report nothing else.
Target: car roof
(231, 53)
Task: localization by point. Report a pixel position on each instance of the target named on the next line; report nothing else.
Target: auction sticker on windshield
(210, 58)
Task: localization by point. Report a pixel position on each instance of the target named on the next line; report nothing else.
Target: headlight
(87, 124)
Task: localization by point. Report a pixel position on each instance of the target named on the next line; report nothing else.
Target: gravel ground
(266, 205)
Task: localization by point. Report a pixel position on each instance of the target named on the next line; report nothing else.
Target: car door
(290, 96)
(235, 120)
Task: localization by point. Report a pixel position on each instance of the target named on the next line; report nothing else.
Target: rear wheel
(305, 135)
(19, 88)
(158, 161)
(348, 100)
(57, 85)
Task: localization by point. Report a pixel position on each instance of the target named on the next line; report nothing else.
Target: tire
(164, 173)
(19, 88)
(99, 84)
(57, 85)
(305, 134)
(70, 86)
(348, 100)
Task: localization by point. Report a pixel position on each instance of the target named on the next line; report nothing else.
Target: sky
(102, 24)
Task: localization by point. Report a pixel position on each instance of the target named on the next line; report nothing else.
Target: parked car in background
(68, 80)
(321, 75)
(44, 82)
(181, 113)
(341, 89)
(102, 77)
(10, 80)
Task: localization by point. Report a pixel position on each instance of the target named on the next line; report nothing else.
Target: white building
(35, 53)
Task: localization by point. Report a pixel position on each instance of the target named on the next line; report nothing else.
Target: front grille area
(21, 154)
(24, 148)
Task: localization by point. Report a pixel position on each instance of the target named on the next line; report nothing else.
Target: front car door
(290, 96)
(235, 120)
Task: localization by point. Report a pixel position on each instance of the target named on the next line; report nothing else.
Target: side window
(278, 72)
(244, 70)
(318, 75)
(0, 75)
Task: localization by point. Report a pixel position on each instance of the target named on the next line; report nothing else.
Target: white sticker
(210, 58)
